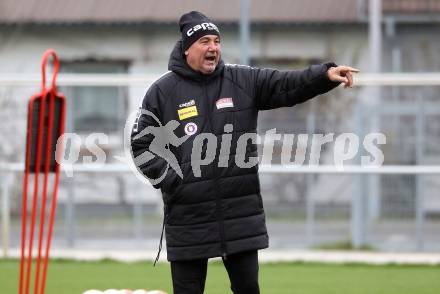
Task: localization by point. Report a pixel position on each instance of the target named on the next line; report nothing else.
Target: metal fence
(393, 207)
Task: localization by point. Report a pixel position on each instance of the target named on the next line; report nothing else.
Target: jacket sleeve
(274, 88)
(148, 163)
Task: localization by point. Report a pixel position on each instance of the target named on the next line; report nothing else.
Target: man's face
(204, 54)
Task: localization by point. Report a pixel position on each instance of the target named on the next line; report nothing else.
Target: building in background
(136, 37)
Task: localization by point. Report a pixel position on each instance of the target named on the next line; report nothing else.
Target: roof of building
(169, 11)
(411, 6)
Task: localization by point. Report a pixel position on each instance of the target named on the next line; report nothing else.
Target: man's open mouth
(210, 58)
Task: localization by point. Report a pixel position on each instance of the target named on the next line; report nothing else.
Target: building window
(95, 108)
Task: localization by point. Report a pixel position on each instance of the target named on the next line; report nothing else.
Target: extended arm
(275, 88)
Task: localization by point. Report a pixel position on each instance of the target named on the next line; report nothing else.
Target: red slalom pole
(58, 156)
(25, 189)
(47, 157)
(35, 197)
(49, 107)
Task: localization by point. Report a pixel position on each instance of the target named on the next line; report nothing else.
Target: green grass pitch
(73, 277)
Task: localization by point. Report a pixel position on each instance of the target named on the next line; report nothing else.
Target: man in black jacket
(210, 188)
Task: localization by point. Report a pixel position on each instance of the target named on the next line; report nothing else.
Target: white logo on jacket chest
(224, 103)
(189, 103)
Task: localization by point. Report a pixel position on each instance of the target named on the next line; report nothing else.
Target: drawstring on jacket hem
(161, 236)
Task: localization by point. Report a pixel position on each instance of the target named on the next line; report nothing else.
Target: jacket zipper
(218, 200)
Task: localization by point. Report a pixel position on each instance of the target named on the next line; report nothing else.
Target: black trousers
(189, 276)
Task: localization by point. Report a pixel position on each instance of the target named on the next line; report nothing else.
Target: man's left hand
(342, 74)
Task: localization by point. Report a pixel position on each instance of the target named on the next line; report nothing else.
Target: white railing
(6, 169)
(264, 168)
(383, 79)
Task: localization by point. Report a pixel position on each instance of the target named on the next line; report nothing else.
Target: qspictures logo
(207, 146)
(163, 137)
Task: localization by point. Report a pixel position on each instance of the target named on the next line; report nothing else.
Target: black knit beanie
(193, 26)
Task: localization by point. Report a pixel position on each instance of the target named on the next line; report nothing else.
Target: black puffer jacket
(220, 212)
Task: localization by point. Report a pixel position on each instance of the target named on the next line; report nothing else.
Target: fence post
(419, 205)
(310, 201)
(359, 186)
(137, 217)
(6, 215)
(358, 231)
(70, 213)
